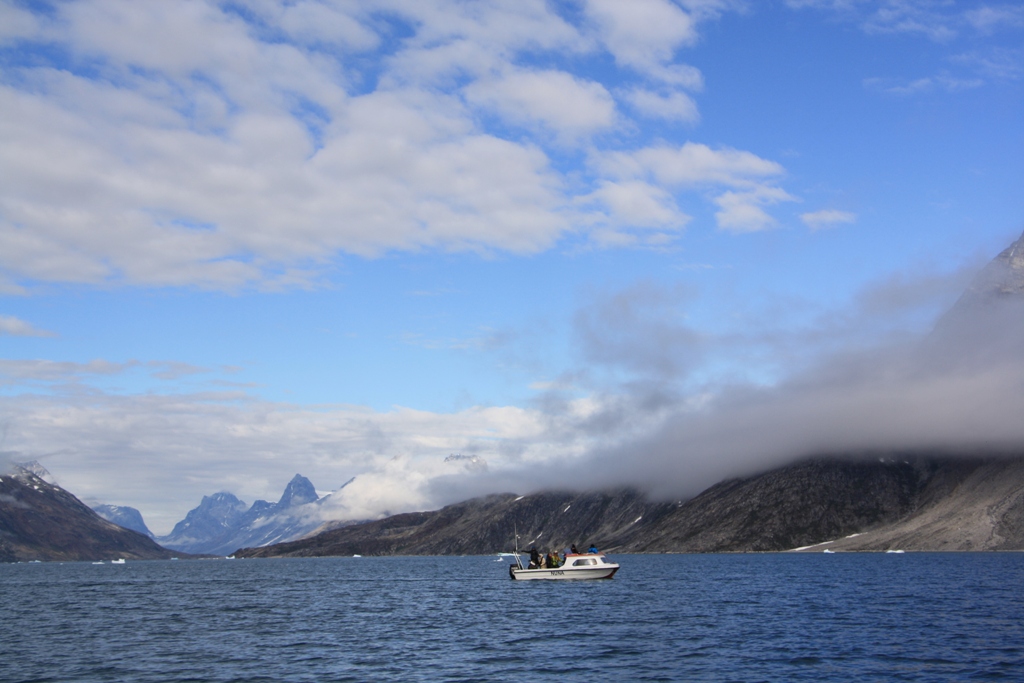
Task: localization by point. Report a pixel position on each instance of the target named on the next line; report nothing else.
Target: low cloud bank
(654, 403)
(959, 388)
(962, 393)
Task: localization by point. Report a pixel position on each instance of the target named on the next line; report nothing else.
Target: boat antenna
(515, 530)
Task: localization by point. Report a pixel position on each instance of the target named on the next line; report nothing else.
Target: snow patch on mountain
(124, 516)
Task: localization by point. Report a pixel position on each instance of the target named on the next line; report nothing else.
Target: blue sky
(240, 240)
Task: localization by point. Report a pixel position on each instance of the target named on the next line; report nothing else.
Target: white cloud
(318, 23)
(842, 390)
(16, 23)
(893, 16)
(188, 144)
(674, 106)
(18, 371)
(639, 203)
(939, 21)
(826, 218)
(560, 101)
(943, 82)
(15, 327)
(743, 211)
(455, 39)
(163, 453)
(693, 164)
(989, 18)
(645, 34)
(751, 179)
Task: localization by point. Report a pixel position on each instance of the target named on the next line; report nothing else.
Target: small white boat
(576, 567)
(118, 561)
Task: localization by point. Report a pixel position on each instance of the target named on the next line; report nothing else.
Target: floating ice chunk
(808, 547)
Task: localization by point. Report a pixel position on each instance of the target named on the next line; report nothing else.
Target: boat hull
(605, 571)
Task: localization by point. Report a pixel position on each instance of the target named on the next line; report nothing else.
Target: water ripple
(928, 617)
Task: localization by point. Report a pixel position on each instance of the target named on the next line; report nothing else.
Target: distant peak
(1003, 276)
(34, 467)
(222, 496)
(298, 492)
(1014, 254)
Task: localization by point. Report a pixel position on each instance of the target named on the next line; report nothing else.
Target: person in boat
(573, 549)
(553, 561)
(534, 558)
(593, 548)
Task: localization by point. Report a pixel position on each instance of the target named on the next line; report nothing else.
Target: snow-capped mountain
(34, 467)
(222, 523)
(41, 521)
(125, 516)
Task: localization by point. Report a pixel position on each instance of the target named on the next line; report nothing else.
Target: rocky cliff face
(1003, 277)
(215, 516)
(905, 502)
(977, 505)
(830, 499)
(990, 313)
(221, 523)
(125, 516)
(42, 521)
(482, 525)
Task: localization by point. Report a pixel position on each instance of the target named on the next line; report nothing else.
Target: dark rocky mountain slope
(42, 521)
(913, 503)
(828, 499)
(481, 525)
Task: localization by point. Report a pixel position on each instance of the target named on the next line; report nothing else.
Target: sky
(591, 242)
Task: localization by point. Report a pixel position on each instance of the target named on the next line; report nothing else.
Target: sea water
(771, 617)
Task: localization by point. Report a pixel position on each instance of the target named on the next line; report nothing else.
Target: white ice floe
(808, 547)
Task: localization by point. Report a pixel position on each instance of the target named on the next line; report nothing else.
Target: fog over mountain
(958, 389)
(929, 362)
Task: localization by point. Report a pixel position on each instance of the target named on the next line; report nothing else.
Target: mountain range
(922, 501)
(905, 501)
(222, 522)
(909, 502)
(125, 516)
(41, 521)
(953, 501)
